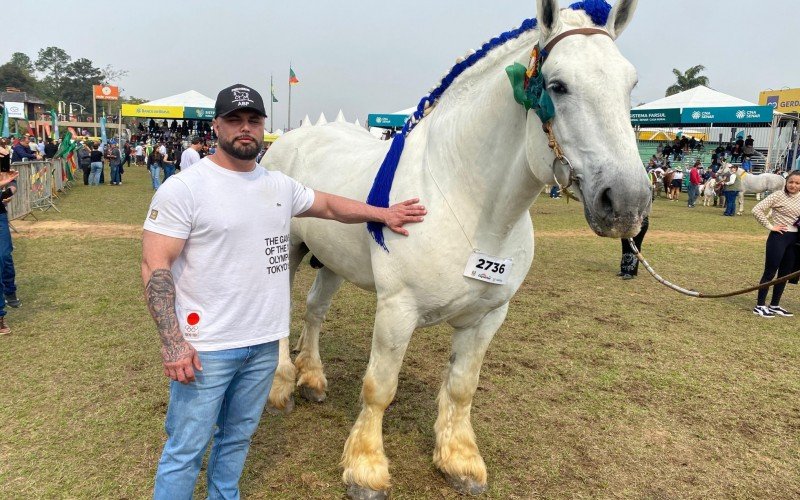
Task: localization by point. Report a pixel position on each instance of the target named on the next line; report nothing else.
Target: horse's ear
(547, 15)
(620, 16)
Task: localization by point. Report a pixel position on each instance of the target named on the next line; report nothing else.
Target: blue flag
(103, 138)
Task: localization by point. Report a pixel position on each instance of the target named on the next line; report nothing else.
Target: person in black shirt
(50, 149)
(96, 159)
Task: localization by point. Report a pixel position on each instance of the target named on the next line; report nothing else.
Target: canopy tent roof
(698, 97)
(192, 99)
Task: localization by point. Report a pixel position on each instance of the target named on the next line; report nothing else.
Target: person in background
(85, 161)
(139, 153)
(22, 151)
(154, 165)
(695, 180)
(783, 208)
(96, 158)
(5, 155)
(677, 183)
(40, 146)
(168, 164)
(114, 162)
(749, 147)
(7, 283)
(731, 190)
(191, 155)
(747, 165)
(50, 149)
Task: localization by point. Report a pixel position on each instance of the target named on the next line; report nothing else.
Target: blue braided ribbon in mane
(597, 10)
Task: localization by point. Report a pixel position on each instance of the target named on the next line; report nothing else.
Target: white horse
(477, 160)
(754, 184)
(708, 192)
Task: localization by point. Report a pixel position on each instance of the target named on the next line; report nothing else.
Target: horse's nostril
(606, 204)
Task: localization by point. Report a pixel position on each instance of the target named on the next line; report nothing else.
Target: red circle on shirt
(192, 319)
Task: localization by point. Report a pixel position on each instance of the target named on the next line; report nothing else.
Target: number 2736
(491, 265)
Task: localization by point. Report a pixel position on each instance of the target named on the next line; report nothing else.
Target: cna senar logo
(740, 114)
(241, 96)
(696, 115)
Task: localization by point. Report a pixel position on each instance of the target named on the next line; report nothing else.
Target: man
(191, 155)
(114, 163)
(85, 161)
(139, 152)
(22, 151)
(40, 146)
(215, 267)
(749, 149)
(50, 149)
(731, 190)
(695, 180)
(7, 283)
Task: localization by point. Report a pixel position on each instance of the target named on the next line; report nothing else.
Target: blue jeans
(230, 394)
(692, 190)
(155, 174)
(169, 169)
(94, 176)
(115, 177)
(7, 284)
(730, 202)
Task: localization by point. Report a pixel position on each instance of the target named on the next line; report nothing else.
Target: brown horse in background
(667, 180)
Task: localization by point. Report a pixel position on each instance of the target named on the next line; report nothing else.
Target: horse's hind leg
(456, 453)
(740, 199)
(280, 395)
(312, 381)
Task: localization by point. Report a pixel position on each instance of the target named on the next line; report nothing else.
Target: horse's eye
(558, 88)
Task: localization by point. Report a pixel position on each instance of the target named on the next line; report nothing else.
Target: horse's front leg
(456, 453)
(740, 199)
(311, 380)
(366, 468)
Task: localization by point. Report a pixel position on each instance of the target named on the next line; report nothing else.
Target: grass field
(594, 387)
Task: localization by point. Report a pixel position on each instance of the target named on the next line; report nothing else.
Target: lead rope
(700, 295)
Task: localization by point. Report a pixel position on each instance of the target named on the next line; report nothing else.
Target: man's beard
(242, 151)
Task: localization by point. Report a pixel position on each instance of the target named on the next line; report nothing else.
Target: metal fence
(39, 182)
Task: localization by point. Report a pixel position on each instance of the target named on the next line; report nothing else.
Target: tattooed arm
(158, 253)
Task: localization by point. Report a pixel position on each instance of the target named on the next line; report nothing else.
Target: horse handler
(215, 263)
(781, 242)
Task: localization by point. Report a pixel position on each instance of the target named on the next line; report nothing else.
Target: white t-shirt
(188, 158)
(139, 150)
(163, 150)
(232, 277)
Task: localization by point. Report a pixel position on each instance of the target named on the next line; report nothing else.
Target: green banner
(386, 121)
(198, 113)
(655, 116)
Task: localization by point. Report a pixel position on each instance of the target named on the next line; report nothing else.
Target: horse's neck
(475, 147)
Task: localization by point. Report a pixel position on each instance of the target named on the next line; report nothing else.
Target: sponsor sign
(105, 92)
(15, 109)
(386, 121)
(144, 111)
(198, 113)
(739, 114)
(655, 116)
(782, 101)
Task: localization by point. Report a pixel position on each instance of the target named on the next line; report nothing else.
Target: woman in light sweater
(780, 254)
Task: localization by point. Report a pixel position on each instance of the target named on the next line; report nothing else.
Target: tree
(79, 76)
(110, 73)
(53, 62)
(12, 75)
(688, 80)
(23, 62)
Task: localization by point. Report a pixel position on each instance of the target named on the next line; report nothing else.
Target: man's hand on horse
(403, 213)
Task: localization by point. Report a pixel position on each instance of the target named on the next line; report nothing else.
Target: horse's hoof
(356, 492)
(289, 408)
(312, 395)
(465, 485)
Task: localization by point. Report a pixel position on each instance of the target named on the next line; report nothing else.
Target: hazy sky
(372, 57)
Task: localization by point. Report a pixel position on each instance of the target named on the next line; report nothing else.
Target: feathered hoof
(465, 485)
(356, 492)
(287, 408)
(313, 395)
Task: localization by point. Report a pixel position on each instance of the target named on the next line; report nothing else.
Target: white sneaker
(763, 311)
(780, 311)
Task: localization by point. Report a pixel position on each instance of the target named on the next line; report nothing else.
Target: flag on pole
(292, 77)
(4, 132)
(54, 121)
(103, 138)
(272, 89)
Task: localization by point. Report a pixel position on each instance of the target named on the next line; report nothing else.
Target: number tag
(486, 268)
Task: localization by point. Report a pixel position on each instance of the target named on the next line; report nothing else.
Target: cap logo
(241, 96)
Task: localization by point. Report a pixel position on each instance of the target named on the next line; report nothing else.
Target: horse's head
(589, 83)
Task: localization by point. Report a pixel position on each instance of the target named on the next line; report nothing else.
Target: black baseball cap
(238, 96)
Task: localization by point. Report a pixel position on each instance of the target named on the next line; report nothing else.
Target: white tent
(340, 117)
(321, 120)
(357, 123)
(698, 97)
(306, 122)
(190, 99)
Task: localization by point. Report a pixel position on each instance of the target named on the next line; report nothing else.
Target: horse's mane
(597, 12)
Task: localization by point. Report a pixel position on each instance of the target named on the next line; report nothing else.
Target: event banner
(145, 111)
(655, 116)
(386, 121)
(198, 113)
(739, 114)
(15, 109)
(782, 101)
(105, 92)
